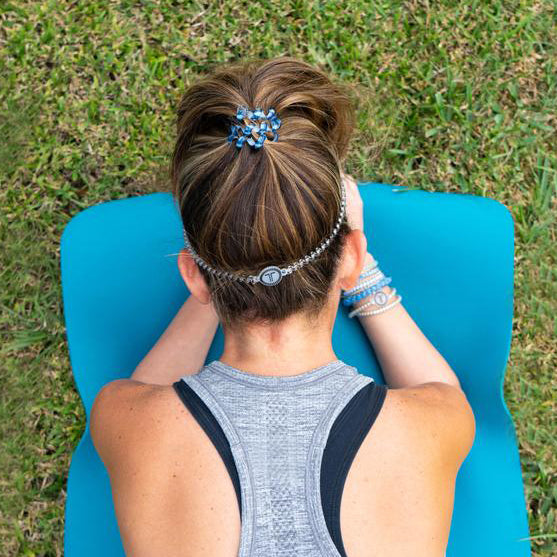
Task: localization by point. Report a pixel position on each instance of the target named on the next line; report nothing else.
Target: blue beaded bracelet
(354, 298)
(370, 290)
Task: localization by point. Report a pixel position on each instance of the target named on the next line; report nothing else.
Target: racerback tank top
(287, 443)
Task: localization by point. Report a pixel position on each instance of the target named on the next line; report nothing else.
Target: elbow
(466, 419)
(470, 422)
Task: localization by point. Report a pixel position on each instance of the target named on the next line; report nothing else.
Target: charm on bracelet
(381, 307)
(380, 298)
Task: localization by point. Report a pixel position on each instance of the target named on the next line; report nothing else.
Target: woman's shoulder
(131, 418)
(436, 417)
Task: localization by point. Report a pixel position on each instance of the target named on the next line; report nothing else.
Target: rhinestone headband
(271, 275)
(258, 127)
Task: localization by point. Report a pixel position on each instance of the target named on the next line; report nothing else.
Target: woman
(278, 447)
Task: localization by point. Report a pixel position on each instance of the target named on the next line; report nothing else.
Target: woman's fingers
(354, 203)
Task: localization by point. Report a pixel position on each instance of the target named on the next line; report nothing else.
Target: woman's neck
(289, 348)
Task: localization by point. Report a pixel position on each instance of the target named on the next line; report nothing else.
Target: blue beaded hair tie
(258, 126)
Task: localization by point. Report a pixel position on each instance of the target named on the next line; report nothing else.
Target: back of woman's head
(243, 208)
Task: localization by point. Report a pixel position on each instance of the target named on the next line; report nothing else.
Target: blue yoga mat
(451, 258)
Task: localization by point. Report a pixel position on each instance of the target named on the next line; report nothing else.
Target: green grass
(459, 97)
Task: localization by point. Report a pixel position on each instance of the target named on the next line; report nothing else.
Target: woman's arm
(182, 348)
(406, 355)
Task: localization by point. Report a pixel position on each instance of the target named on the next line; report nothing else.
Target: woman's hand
(354, 203)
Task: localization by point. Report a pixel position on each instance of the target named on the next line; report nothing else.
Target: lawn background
(452, 96)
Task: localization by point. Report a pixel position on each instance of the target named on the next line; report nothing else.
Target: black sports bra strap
(345, 438)
(212, 428)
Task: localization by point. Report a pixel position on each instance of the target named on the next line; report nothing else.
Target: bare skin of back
(166, 473)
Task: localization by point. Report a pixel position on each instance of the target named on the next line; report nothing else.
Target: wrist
(369, 274)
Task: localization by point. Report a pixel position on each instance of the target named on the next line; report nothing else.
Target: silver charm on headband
(270, 276)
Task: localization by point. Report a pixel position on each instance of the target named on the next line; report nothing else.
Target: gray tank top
(276, 430)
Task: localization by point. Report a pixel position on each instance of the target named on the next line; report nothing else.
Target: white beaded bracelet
(377, 298)
(372, 274)
(369, 267)
(381, 310)
(373, 301)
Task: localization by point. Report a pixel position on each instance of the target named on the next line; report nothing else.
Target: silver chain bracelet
(364, 284)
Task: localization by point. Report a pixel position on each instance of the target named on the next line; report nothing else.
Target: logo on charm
(270, 276)
(380, 298)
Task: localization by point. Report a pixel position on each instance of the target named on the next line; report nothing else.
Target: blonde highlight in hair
(244, 209)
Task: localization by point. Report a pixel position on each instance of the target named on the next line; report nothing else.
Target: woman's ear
(353, 259)
(193, 278)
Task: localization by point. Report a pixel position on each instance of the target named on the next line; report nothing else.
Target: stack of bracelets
(371, 282)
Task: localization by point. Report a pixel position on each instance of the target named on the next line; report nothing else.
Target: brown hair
(244, 209)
